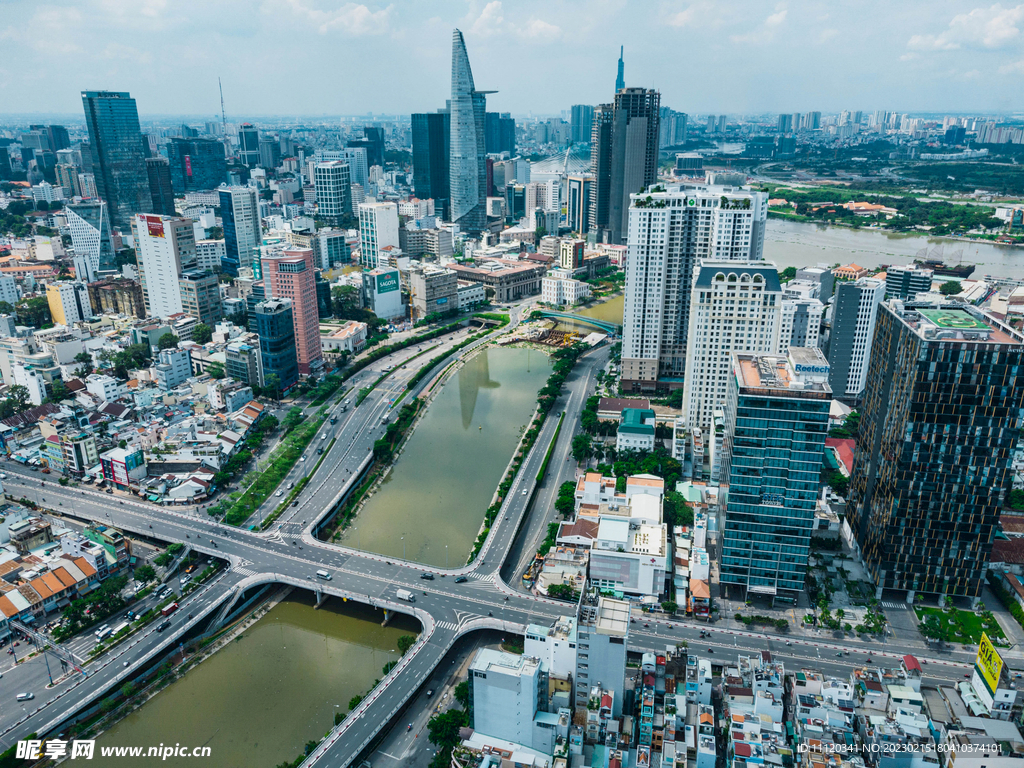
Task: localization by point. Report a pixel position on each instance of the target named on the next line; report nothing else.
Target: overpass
(609, 328)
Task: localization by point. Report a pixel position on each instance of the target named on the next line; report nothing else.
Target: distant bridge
(607, 327)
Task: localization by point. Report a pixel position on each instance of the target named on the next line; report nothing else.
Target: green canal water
(430, 507)
(256, 702)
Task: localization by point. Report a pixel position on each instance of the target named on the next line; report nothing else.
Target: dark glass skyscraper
(277, 341)
(249, 145)
(941, 418)
(580, 120)
(159, 172)
(468, 158)
(196, 164)
(431, 137)
(118, 154)
(499, 133)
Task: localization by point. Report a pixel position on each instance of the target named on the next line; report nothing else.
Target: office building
(668, 237)
(240, 215)
(158, 170)
(776, 421)
(276, 331)
(69, 302)
(620, 76)
(570, 254)
(242, 361)
(196, 164)
(577, 203)
(372, 143)
(854, 312)
(67, 180)
(580, 119)
(624, 158)
(506, 691)
(734, 307)
(290, 274)
(939, 426)
(431, 140)
(602, 634)
(378, 229)
(333, 191)
(248, 145)
(89, 227)
(907, 282)
(499, 133)
(117, 297)
(200, 296)
(382, 292)
(209, 254)
(173, 367)
(331, 248)
(165, 248)
(433, 290)
(8, 293)
(467, 156)
(118, 157)
(799, 323)
(270, 152)
(671, 127)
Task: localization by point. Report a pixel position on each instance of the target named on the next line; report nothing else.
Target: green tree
(272, 386)
(669, 606)
(582, 448)
(566, 501)
(6, 308)
(167, 341)
(561, 592)
(462, 694)
(216, 369)
(405, 642)
(950, 288)
(443, 730)
(34, 312)
(145, 573)
(84, 360)
(345, 301)
(202, 334)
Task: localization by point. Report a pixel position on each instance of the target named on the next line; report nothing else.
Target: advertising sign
(188, 166)
(154, 225)
(387, 282)
(989, 664)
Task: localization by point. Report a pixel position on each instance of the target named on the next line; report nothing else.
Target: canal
(257, 701)
(430, 506)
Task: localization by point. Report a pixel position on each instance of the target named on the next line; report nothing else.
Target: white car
(279, 493)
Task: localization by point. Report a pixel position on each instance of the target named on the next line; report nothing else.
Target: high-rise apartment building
(854, 312)
(601, 167)
(290, 274)
(270, 152)
(249, 145)
(378, 229)
(89, 227)
(200, 296)
(906, 282)
(939, 424)
(580, 119)
(505, 693)
(602, 635)
(734, 307)
(333, 191)
(240, 214)
(69, 302)
(468, 158)
(67, 179)
(671, 127)
(196, 164)
(669, 233)
(785, 124)
(118, 156)
(776, 421)
(165, 248)
(431, 139)
(799, 323)
(158, 171)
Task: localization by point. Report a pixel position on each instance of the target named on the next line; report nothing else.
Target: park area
(953, 625)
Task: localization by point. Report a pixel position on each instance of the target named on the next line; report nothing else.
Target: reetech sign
(387, 282)
(989, 664)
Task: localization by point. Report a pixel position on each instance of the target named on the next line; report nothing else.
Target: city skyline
(961, 55)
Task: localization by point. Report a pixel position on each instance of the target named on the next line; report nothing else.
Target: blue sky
(323, 57)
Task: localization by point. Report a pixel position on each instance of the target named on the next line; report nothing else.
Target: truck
(405, 594)
(119, 628)
(167, 610)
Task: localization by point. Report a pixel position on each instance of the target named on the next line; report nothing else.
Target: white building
(378, 227)
(555, 646)
(669, 233)
(854, 313)
(209, 254)
(563, 290)
(470, 294)
(332, 180)
(89, 227)
(173, 367)
(32, 380)
(382, 293)
(799, 323)
(240, 213)
(106, 388)
(8, 290)
(734, 307)
(506, 690)
(165, 247)
(629, 558)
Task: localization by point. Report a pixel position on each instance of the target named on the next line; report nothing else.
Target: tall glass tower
(468, 158)
(118, 155)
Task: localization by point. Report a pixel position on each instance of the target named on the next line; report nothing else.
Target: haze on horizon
(323, 57)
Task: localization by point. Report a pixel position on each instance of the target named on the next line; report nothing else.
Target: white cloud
(991, 28)
(826, 35)
(696, 14)
(1013, 68)
(351, 19)
(491, 22)
(766, 32)
(538, 29)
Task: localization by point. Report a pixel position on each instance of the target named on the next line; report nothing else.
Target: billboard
(387, 282)
(188, 166)
(154, 225)
(989, 664)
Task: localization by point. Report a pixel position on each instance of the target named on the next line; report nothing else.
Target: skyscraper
(940, 420)
(165, 248)
(577, 199)
(196, 164)
(158, 170)
(249, 145)
(499, 133)
(580, 119)
(668, 237)
(118, 154)
(776, 416)
(468, 158)
(333, 191)
(240, 213)
(89, 226)
(620, 77)
(290, 274)
(624, 157)
(854, 312)
(272, 321)
(431, 140)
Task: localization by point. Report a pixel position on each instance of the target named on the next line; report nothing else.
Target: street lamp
(403, 547)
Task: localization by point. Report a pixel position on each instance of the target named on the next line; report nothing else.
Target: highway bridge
(609, 328)
(289, 553)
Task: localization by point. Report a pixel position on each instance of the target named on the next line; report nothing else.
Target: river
(429, 508)
(256, 702)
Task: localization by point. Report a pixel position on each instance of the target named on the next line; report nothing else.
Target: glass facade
(468, 159)
(277, 341)
(431, 137)
(196, 164)
(118, 154)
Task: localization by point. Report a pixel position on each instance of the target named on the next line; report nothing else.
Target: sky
(324, 57)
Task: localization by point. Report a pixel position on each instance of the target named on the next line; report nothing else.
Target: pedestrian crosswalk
(451, 626)
(243, 571)
(895, 606)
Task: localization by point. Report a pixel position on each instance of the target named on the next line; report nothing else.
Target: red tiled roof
(845, 447)
(912, 664)
(1009, 551)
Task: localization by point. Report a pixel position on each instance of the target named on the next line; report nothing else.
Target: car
(460, 579)
(525, 491)
(430, 692)
(25, 696)
(279, 493)
(163, 625)
(303, 458)
(427, 576)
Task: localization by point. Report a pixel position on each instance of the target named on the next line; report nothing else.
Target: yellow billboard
(989, 663)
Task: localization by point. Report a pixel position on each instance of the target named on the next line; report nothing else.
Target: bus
(103, 632)
(119, 628)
